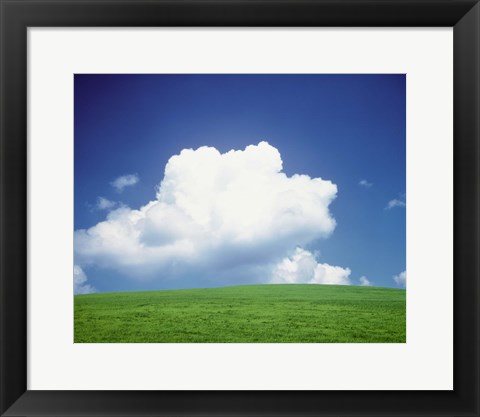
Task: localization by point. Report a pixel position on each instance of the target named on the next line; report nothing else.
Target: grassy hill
(250, 313)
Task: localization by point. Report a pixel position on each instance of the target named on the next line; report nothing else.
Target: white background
(424, 362)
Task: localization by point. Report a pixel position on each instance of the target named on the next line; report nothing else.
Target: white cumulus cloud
(303, 268)
(124, 181)
(364, 282)
(215, 215)
(401, 279)
(80, 285)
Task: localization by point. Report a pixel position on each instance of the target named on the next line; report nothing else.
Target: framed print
(211, 208)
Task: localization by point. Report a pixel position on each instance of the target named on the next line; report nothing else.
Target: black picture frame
(18, 15)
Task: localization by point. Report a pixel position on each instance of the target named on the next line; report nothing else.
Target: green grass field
(250, 313)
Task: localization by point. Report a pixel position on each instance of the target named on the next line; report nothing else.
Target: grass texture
(252, 313)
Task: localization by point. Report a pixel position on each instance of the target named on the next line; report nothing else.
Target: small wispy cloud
(80, 279)
(397, 202)
(124, 181)
(104, 204)
(365, 282)
(365, 184)
(401, 279)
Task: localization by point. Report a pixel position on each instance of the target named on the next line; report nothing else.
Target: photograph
(239, 208)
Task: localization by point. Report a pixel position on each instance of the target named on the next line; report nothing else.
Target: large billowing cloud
(224, 216)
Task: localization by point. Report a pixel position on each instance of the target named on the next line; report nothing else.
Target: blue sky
(349, 130)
